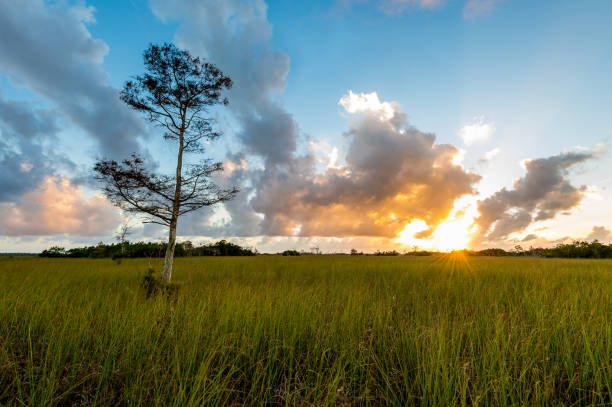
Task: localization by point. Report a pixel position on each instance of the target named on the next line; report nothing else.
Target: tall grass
(307, 330)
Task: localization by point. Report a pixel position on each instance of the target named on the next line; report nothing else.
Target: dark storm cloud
(48, 49)
(542, 193)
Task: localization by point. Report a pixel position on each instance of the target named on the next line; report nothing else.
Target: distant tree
(175, 94)
(387, 253)
(122, 234)
(54, 251)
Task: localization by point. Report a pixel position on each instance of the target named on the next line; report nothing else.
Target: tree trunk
(169, 258)
(176, 205)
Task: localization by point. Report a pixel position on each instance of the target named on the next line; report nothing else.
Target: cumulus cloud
(394, 173)
(58, 207)
(391, 172)
(476, 8)
(366, 102)
(542, 193)
(477, 131)
(48, 49)
(235, 36)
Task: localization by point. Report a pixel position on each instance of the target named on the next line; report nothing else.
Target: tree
(175, 94)
(122, 234)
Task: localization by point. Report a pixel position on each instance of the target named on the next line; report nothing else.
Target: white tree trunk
(169, 258)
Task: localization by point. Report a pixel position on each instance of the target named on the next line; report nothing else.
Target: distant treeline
(575, 250)
(148, 249)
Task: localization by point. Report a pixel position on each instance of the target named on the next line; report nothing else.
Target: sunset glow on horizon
(453, 233)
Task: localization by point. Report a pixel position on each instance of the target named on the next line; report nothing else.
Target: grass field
(307, 330)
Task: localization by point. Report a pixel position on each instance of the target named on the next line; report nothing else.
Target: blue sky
(532, 77)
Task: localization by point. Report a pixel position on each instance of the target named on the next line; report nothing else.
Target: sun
(453, 233)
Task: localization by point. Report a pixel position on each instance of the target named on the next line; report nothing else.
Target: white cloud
(477, 131)
(399, 6)
(394, 6)
(476, 8)
(25, 167)
(489, 155)
(333, 159)
(366, 102)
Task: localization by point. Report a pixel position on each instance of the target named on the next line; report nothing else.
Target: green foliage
(593, 250)
(422, 253)
(491, 252)
(313, 330)
(148, 249)
(575, 250)
(54, 251)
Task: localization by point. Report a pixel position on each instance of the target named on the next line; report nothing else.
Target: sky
(366, 124)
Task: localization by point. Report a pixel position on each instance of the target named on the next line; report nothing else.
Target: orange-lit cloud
(58, 207)
(391, 174)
